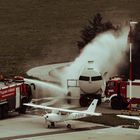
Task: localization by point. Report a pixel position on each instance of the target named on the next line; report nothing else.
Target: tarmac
(27, 127)
(33, 127)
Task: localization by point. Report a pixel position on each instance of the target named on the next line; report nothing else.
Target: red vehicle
(118, 92)
(13, 93)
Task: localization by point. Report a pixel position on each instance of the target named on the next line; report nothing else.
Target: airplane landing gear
(52, 125)
(68, 126)
(85, 100)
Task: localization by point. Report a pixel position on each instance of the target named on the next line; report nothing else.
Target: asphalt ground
(28, 126)
(31, 126)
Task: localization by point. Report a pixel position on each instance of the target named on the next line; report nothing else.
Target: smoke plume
(107, 51)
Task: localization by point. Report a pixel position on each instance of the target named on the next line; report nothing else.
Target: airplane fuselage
(53, 117)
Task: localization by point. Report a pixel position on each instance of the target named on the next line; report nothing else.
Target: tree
(96, 26)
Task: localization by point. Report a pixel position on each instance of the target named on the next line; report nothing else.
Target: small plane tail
(92, 107)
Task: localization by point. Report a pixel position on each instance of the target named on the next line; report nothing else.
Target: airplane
(61, 80)
(62, 115)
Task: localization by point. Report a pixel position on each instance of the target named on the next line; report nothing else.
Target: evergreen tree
(96, 26)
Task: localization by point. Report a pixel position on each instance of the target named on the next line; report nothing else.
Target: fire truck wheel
(22, 110)
(116, 103)
(5, 111)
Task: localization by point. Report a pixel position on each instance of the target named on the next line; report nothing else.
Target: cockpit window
(84, 78)
(96, 78)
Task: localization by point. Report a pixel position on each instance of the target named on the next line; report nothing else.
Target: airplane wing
(61, 109)
(129, 117)
(52, 108)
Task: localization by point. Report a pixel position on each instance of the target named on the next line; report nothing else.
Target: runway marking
(53, 133)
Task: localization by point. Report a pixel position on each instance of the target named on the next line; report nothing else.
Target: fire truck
(119, 94)
(13, 93)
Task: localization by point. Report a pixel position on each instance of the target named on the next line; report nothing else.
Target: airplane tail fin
(92, 107)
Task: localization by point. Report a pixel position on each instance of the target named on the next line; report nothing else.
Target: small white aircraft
(62, 115)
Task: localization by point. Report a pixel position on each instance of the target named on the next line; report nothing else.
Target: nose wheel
(52, 125)
(68, 126)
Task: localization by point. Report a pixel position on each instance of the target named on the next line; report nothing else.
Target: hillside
(38, 32)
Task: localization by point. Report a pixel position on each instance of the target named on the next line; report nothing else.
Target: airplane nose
(46, 116)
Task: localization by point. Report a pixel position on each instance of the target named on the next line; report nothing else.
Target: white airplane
(62, 115)
(129, 117)
(86, 83)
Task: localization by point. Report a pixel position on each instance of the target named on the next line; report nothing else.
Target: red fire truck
(13, 93)
(119, 94)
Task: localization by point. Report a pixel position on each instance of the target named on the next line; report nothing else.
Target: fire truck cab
(13, 93)
(118, 92)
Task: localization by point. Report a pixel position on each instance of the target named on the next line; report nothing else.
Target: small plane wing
(65, 110)
(129, 117)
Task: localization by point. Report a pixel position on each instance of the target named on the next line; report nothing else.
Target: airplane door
(17, 97)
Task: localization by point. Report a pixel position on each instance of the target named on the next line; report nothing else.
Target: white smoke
(107, 51)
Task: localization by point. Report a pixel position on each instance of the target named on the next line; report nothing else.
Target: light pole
(132, 26)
